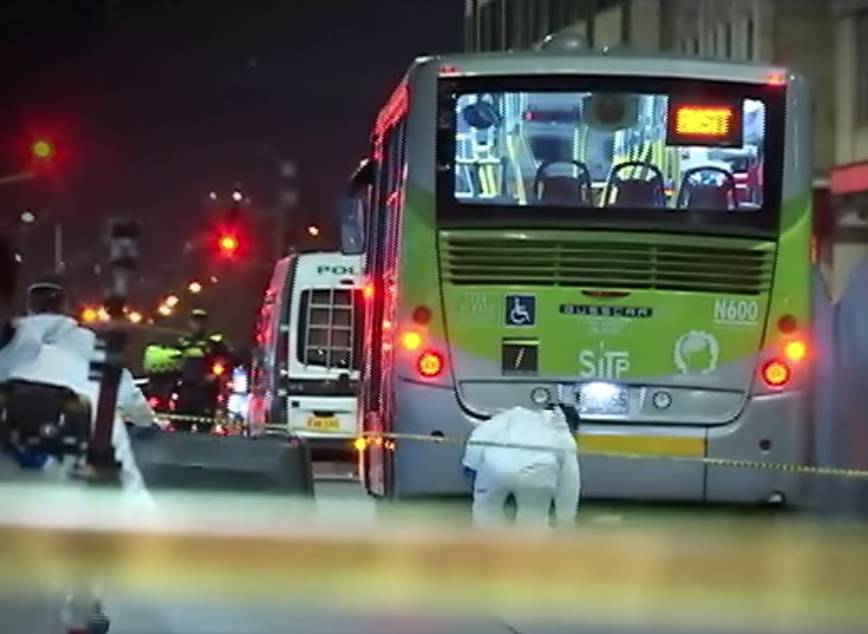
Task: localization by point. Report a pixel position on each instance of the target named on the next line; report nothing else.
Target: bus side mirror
(351, 223)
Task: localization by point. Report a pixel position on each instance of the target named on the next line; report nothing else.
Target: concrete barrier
(263, 464)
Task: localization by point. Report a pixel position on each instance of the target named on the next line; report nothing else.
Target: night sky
(154, 102)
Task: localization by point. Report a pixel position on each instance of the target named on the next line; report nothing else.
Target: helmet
(46, 295)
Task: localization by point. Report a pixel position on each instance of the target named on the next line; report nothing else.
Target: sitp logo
(603, 363)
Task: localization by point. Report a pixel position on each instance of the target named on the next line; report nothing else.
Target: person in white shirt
(535, 478)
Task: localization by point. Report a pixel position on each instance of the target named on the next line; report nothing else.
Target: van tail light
(776, 373)
(430, 364)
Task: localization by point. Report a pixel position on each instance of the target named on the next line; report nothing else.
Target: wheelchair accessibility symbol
(520, 310)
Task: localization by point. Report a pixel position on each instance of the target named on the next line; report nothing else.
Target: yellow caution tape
(671, 448)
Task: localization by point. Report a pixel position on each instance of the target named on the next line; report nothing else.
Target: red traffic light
(42, 149)
(228, 244)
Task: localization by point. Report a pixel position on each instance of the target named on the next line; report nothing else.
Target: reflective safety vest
(161, 359)
(198, 347)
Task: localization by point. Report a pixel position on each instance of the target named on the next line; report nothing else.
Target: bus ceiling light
(796, 350)
(411, 340)
(430, 364)
(776, 373)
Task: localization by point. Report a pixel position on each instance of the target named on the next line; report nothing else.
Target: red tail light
(218, 369)
(154, 402)
(776, 373)
(430, 364)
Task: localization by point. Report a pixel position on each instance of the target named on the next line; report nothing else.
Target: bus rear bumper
(665, 463)
(773, 429)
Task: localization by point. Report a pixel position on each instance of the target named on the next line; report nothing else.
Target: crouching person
(503, 465)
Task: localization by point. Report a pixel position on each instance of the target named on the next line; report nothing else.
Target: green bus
(628, 234)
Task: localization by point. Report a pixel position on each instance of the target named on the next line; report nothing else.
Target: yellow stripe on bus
(682, 446)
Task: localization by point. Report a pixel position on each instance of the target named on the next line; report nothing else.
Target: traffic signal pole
(288, 201)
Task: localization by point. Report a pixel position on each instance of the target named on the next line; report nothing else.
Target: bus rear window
(684, 148)
(330, 328)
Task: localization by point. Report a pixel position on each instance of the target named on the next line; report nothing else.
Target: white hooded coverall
(55, 350)
(534, 477)
(64, 359)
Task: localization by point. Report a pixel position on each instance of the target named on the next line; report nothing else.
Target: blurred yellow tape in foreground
(698, 573)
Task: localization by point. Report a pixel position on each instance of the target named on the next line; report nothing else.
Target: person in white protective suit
(46, 300)
(62, 358)
(533, 477)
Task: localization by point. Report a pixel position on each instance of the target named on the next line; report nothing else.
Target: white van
(307, 350)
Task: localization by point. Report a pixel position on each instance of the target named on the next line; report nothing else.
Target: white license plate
(603, 399)
(324, 423)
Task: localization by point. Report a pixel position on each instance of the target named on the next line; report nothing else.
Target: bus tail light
(411, 340)
(796, 350)
(787, 324)
(430, 364)
(776, 373)
(422, 315)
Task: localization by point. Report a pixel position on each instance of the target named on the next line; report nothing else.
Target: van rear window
(330, 328)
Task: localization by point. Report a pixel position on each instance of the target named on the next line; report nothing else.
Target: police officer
(201, 350)
(200, 342)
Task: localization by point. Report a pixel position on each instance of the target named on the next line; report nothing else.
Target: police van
(307, 349)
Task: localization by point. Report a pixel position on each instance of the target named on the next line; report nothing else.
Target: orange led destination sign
(696, 123)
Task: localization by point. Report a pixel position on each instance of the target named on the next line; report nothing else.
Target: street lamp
(195, 288)
(313, 230)
(171, 301)
(28, 217)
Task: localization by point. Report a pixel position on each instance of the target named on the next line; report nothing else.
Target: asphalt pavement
(336, 485)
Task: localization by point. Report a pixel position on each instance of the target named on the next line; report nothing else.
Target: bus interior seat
(720, 195)
(646, 191)
(566, 190)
